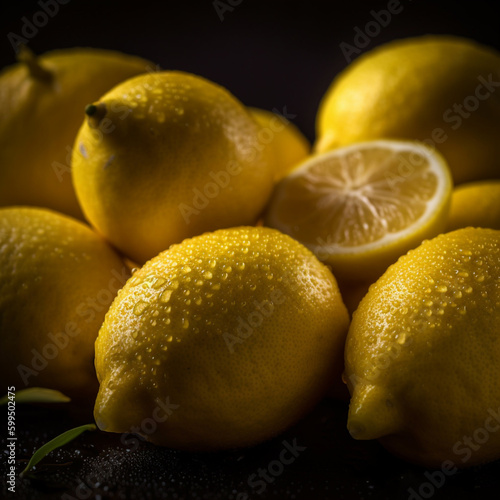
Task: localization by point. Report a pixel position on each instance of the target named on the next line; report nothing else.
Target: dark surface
(332, 466)
(270, 54)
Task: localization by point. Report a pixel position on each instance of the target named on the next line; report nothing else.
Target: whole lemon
(57, 280)
(180, 156)
(42, 100)
(475, 204)
(289, 144)
(221, 341)
(422, 353)
(442, 90)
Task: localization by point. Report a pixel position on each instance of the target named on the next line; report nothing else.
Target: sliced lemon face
(360, 207)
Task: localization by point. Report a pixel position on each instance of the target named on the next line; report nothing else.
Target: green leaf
(55, 443)
(37, 395)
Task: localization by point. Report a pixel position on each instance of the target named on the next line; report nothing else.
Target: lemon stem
(95, 113)
(36, 70)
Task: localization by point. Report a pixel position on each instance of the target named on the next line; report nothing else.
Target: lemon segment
(360, 207)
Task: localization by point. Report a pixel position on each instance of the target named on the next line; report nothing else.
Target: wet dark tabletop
(316, 459)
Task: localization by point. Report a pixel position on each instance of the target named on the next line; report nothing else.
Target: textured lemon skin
(289, 144)
(57, 279)
(152, 180)
(170, 335)
(475, 204)
(406, 89)
(40, 120)
(422, 352)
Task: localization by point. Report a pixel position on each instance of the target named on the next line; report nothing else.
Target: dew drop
(158, 283)
(165, 296)
(401, 339)
(208, 275)
(442, 288)
(139, 308)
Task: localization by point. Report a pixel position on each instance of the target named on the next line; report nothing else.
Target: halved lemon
(360, 207)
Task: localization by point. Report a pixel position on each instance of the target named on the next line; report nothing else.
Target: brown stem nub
(95, 113)
(36, 70)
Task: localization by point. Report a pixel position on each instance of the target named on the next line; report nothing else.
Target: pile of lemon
(230, 275)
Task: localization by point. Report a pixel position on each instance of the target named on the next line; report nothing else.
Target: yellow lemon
(225, 340)
(422, 353)
(475, 204)
(57, 280)
(360, 207)
(289, 144)
(181, 156)
(440, 89)
(42, 100)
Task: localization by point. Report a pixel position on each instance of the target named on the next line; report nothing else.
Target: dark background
(270, 54)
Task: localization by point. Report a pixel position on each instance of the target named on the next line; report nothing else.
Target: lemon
(227, 338)
(422, 353)
(289, 144)
(360, 207)
(475, 204)
(439, 89)
(183, 157)
(42, 100)
(57, 279)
